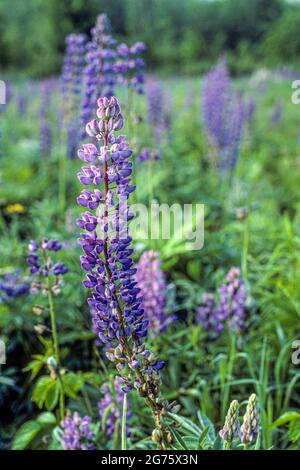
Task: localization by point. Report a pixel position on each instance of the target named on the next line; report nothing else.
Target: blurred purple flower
(77, 433)
(230, 309)
(223, 115)
(152, 283)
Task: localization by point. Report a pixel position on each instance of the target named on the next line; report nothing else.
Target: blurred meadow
(205, 91)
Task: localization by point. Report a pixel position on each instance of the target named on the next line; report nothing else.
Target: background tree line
(181, 36)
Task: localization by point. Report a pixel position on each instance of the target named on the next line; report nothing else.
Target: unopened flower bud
(92, 128)
(250, 426)
(231, 428)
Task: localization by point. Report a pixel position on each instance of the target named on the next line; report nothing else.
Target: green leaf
(218, 444)
(25, 434)
(40, 391)
(179, 439)
(202, 438)
(294, 431)
(46, 418)
(206, 423)
(186, 424)
(285, 418)
(72, 383)
(52, 396)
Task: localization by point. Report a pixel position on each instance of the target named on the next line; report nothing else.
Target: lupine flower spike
(118, 316)
(99, 72)
(77, 433)
(230, 308)
(151, 280)
(224, 116)
(231, 428)
(251, 422)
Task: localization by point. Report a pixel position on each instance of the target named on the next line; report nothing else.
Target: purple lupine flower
(129, 66)
(12, 286)
(223, 115)
(229, 310)
(115, 304)
(46, 90)
(205, 310)
(99, 72)
(110, 406)
(71, 87)
(72, 70)
(152, 283)
(154, 94)
(146, 154)
(77, 433)
(45, 137)
(39, 261)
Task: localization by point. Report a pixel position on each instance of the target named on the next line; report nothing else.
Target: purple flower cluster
(229, 310)
(147, 154)
(99, 72)
(45, 126)
(129, 66)
(110, 408)
(115, 304)
(154, 94)
(39, 261)
(224, 116)
(12, 286)
(71, 77)
(152, 283)
(71, 87)
(78, 434)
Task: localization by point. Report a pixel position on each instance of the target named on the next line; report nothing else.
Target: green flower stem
(56, 348)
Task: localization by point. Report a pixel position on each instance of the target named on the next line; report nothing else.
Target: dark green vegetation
(185, 37)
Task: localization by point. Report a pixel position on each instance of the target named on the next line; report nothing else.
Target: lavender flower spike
(99, 72)
(151, 280)
(250, 426)
(231, 428)
(118, 316)
(77, 433)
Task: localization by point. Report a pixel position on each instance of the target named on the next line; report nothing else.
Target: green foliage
(192, 34)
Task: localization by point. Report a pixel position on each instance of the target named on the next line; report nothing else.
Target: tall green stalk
(56, 348)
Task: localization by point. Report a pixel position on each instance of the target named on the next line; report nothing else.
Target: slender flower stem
(56, 348)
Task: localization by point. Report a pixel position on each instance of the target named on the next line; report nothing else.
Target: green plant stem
(62, 183)
(56, 348)
(245, 250)
(124, 417)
